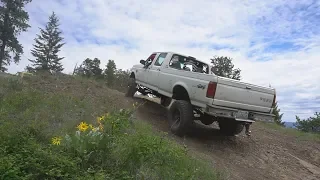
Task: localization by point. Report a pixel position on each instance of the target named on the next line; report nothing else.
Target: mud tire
(132, 88)
(206, 119)
(180, 117)
(230, 127)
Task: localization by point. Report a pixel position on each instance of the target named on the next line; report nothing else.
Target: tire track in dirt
(267, 154)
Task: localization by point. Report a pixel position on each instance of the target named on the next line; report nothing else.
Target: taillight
(211, 91)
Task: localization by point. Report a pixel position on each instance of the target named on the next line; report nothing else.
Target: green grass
(35, 109)
(293, 132)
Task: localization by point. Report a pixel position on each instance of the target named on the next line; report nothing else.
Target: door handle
(247, 87)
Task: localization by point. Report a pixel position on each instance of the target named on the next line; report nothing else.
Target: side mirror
(143, 62)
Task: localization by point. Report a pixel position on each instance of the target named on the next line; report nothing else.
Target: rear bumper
(219, 111)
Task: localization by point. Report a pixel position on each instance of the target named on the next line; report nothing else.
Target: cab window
(160, 59)
(188, 64)
(150, 59)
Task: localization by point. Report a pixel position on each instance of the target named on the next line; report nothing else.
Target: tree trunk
(4, 39)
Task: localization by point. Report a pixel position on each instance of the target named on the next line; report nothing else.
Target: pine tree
(13, 20)
(46, 47)
(223, 66)
(278, 116)
(89, 68)
(110, 72)
(311, 124)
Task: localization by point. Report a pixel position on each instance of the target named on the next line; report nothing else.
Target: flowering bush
(93, 143)
(121, 151)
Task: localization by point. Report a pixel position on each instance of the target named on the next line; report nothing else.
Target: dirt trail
(267, 154)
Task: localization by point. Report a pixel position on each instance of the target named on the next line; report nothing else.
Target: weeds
(57, 135)
(294, 132)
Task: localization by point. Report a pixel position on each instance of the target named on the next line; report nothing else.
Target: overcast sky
(273, 42)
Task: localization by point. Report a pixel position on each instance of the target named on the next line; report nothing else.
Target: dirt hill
(270, 153)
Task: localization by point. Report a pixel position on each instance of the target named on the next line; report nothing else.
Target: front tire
(180, 117)
(230, 127)
(132, 88)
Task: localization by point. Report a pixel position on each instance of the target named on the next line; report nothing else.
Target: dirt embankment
(267, 154)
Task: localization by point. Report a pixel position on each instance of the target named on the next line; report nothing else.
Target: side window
(150, 59)
(160, 59)
(175, 62)
(186, 64)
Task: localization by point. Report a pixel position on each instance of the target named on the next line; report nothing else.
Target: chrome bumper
(218, 111)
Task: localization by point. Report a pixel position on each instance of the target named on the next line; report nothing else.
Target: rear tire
(206, 119)
(230, 127)
(132, 88)
(180, 117)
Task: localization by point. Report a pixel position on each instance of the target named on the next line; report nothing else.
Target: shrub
(125, 150)
(22, 157)
(311, 124)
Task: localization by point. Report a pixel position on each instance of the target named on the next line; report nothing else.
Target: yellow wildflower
(83, 126)
(99, 119)
(91, 126)
(56, 140)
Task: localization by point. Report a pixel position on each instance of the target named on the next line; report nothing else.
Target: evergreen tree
(122, 79)
(89, 68)
(110, 72)
(278, 116)
(46, 47)
(312, 124)
(13, 20)
(223, 66)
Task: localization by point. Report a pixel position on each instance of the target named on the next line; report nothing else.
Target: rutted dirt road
(267, 154)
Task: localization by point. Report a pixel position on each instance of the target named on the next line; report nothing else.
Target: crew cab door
(142, 74)
(154, 71)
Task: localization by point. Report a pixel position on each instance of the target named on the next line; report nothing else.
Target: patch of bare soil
(267, 154)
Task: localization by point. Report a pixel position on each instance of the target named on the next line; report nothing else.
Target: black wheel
(206, 119)
(132, 88)
(180, 117)
(230, 127)
(165, 101)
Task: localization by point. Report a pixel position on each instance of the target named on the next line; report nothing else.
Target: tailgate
(240, 95)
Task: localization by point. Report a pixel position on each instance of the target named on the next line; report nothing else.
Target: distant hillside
(290, 124)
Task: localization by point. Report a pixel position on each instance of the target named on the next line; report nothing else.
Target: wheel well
(180, 93)
(132, 75)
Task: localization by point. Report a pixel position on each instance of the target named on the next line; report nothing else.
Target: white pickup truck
(191, 91)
